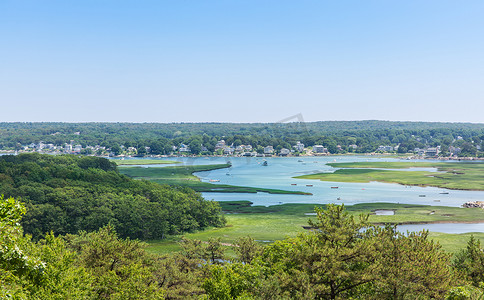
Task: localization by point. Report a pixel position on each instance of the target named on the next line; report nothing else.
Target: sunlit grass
(268, 224)
(458, 176)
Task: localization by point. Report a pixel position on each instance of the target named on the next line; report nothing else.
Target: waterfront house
(432, 152)
(319, 149)
(220, 145)
(299, 146)
(284, 152)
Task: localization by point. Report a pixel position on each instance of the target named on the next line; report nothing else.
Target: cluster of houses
(248, 150)
(429, 151)
(67, 148)
(244, 150)
(424, 152)
(222, 148)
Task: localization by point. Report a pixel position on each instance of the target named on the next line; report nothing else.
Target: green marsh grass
(268, 224)
(128, 162)
(451, 175)
(183, 176)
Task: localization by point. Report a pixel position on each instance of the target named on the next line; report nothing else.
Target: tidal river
(279, 173)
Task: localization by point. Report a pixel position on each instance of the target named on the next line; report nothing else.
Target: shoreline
(390, 155)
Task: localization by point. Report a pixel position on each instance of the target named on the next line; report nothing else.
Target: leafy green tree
(120, 268)
(331, 261)
(410, 266)
(62, 277)
(466, 292)
(66, 194)
(206, 252)
(470, 262)
(341, 257)
(116, 149)
(214, 251)
(247, 249)
(141, 151)
(180, 276)
(17, 265)
(46, 270)
(233, 281)
(195, 146)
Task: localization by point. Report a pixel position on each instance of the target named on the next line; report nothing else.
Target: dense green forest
(160, 138)
(342, 257)
(66, 194)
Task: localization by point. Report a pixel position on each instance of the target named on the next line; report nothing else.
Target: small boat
(436, 200)
(335, 187)
(444, 193)
(293, 183)
(228, 174)
(299, 160)
(338, 198)
(309, 185)
(214, 180)
(421, 195)
(264, 163)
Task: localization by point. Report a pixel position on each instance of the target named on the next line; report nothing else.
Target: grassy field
(450, 242)
(452, 175)
(128, 162)
(183, 176)
(455, 242)
(403, 213)
(267, 224)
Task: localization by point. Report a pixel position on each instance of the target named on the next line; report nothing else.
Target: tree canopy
(341, 257)
(66, 194)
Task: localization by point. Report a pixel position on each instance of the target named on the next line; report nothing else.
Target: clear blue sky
(241, 60)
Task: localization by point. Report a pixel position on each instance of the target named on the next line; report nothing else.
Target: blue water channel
(279, 173)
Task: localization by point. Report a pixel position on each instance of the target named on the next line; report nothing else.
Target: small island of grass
(450, 175)
(183, 176)
(140, 162)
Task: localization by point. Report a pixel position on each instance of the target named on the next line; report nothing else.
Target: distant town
(223, 149)
(409, 139)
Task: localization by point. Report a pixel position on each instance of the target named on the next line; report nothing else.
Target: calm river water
(279, 173)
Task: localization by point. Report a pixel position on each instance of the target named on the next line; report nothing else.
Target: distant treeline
(161, 137)
(66, 194)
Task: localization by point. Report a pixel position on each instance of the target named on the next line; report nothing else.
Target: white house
(319, 149)
(268, 150)
(220, 145)
(299, 146)
(284, 152)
